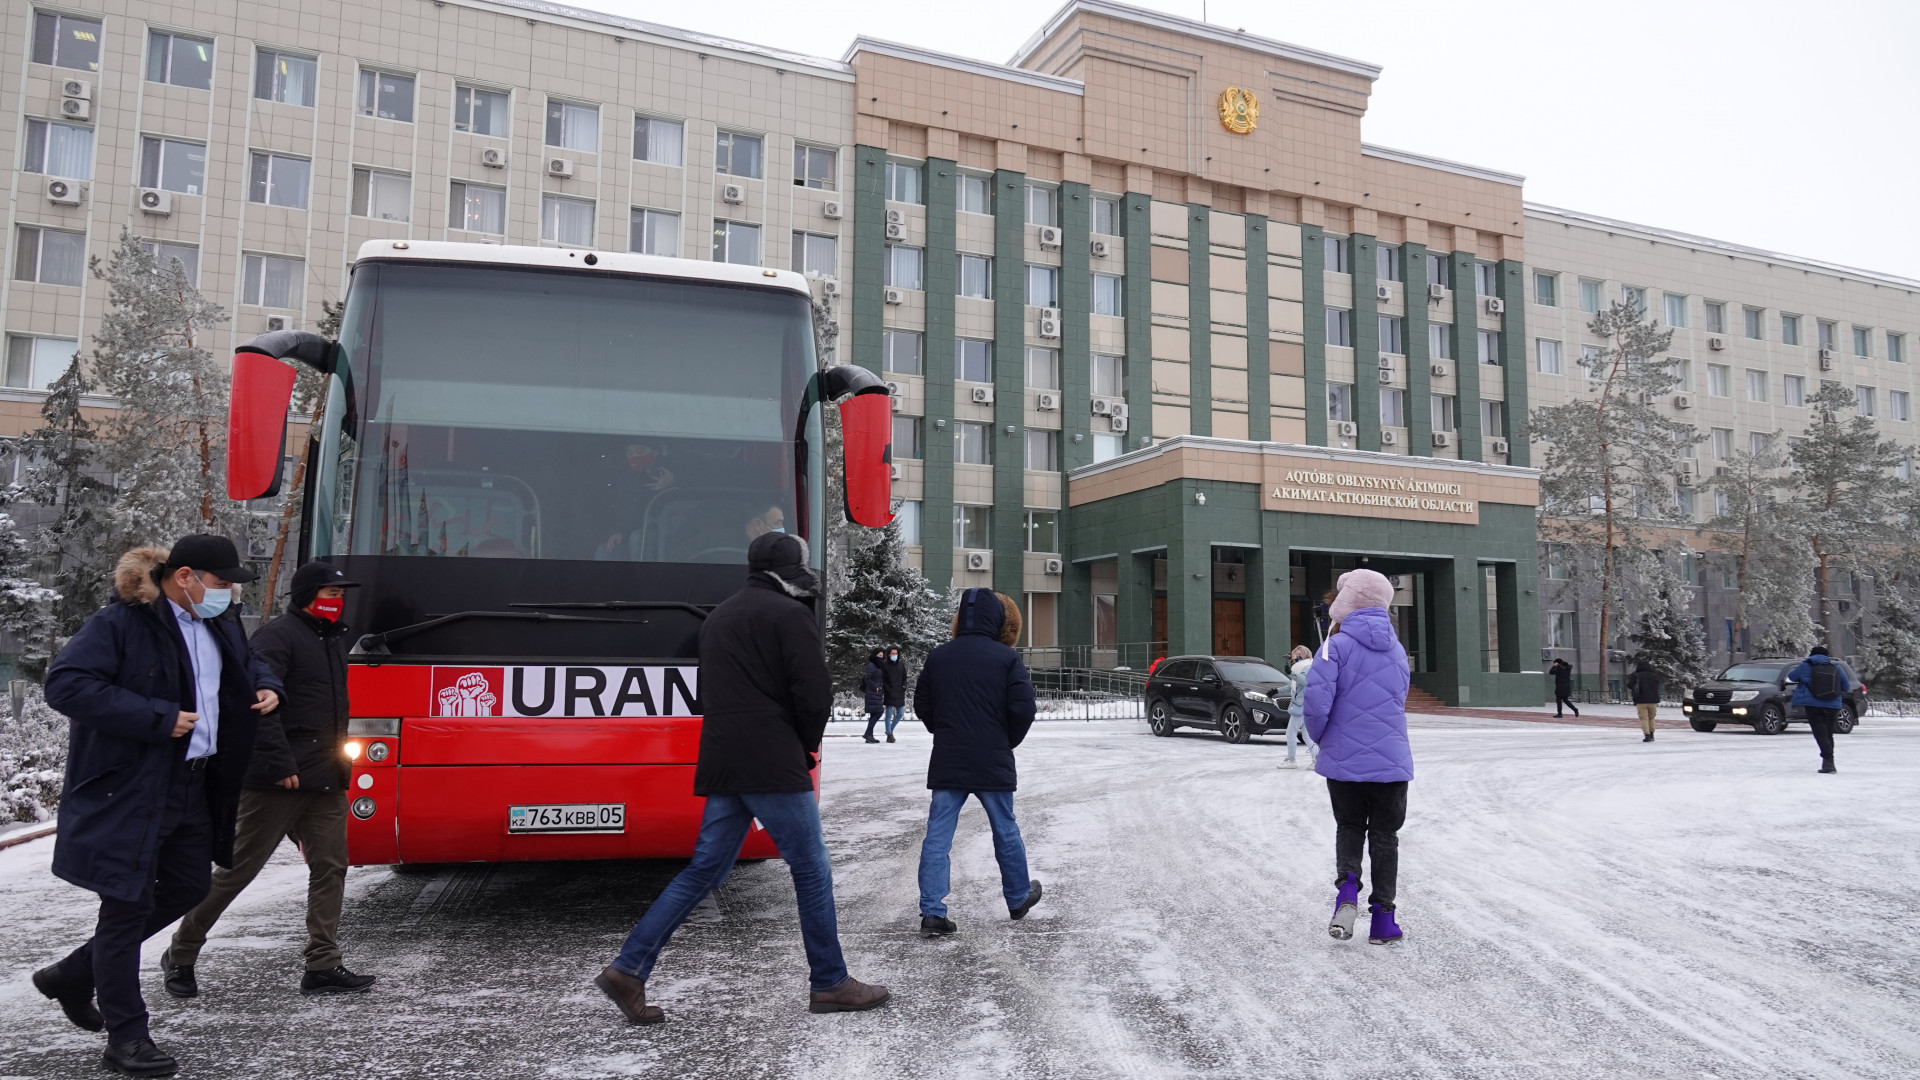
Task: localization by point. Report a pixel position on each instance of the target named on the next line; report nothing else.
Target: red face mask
(328, 608)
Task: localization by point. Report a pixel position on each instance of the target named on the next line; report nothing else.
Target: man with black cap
(162, 693)
(296, 786)
(766, 696)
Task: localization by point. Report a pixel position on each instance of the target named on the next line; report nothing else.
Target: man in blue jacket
(161, 691)
(974, 694)
(1818, 686)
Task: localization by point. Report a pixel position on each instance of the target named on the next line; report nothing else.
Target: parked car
(1757, 692)
(1238, 696)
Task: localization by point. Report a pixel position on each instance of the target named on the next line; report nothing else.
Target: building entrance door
(1229, 626)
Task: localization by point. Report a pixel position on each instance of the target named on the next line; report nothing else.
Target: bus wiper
(621, 605)
(376, 644)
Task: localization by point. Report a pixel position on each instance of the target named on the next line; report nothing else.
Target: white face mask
(212, 601)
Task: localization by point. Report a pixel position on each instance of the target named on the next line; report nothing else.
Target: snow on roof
(671, 35)
(1193, 28)
(962, 63)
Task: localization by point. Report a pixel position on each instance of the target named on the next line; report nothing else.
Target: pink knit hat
(1360, 589)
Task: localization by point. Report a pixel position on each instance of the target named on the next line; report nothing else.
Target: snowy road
(1577, 904)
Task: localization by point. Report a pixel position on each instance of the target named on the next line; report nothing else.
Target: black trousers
(873, 717)
(1821, 721)
(1371, 815)
(183, 869)
(1565, 699)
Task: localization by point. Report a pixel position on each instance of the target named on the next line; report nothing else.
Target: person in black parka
(1562, 673)
(975, 696)
(873, 692)
(893, 676)
(1644, 687)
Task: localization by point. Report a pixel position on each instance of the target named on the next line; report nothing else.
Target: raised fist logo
(471, 696)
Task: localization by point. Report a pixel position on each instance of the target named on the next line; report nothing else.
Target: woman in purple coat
(1356, 709)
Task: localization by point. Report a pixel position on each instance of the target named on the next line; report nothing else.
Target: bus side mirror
(866, 430)
(261, 391)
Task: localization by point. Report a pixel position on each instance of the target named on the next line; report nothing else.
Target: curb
(24, 837)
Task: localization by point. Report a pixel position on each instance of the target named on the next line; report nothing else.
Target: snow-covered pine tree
(1668, 637)
(1890, 651)
(1844, 484)
(26, 606)
(884, 602)
(1765, 536)
(61, 482)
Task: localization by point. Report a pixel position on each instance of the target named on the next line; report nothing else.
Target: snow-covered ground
(1577, 903)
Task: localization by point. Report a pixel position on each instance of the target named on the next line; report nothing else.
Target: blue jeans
(1297, 725)
(894, 713)
(792, 819)
(1008, 848)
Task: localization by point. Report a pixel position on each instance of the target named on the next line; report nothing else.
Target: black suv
(1238, 696)
(1757, 692)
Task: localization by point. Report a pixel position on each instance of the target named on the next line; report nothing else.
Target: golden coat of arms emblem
(1239, 110)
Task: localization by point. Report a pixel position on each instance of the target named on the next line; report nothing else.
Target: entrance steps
(1419, 700)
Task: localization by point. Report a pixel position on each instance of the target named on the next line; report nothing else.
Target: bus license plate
(568, 818)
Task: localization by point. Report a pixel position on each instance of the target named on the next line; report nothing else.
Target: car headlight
(1744, 695)
(1255, 695)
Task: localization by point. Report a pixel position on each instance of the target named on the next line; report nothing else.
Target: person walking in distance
(162, 693)
(1562, 673)
(975, 696)
(1356, 711)
(295, 786)
(1297, 701)
(1644, 687)
(766, 694)
(894, 675)
(873, 690)
(1819, 687)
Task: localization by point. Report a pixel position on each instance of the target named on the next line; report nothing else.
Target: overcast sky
(1793, 126)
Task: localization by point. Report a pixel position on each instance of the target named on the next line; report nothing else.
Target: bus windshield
(513, 412)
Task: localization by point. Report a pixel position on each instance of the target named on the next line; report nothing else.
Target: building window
(654, 232)
(1789, 329)
(1683, 503)
(1335, 249)
(1899, 405)
(1043, 450)
(56, 149)
(815, 254)
(570, 221)
(68, 41)
(1043, 205)
(1547, 353)
(972, 526)
(976, 276)
(973, 360)
(1896, 347)
(178, 60)
(903, 183)
(479, 111)
(1560, 630)
(1043, 530)
(1393, 407)
(737, 155)
(972, 443)
(908, 515)
(1793, 391)
(1590, 360)
(1106, 447)
(1106, 216)
(386, 95)
(173, 165)
(1756, 442)
(1440, 411)
(1489, 346)
(1722, 505)
(736, 242)
(1756, 385)
(1716, 317)
(477, 208)
(188, 256)
(1493, 419)
(1863, 401)
(1439, 270)
(662, 142)
(272, 282)
(50, 256)
(1720, 440)
(816, 167)
(1676, 310)
(1387, 263)
(1546, 289)
(1755, 322)
(1339, 401)
(907, 443)
(575, 127)
(903, 350)
(1340, 327)
(1589, 296)
(1439, 341)
(33, 363)
(284, 77)
(1043, 286)
(1043, 368)
(384, 195)
(1829, 333)
(279, 181)
(1862, 341)
(1106, 377)
(1393, 335)
(1634, 297)
(1486, 279)
(1719, 380)
(903, 266)
(1109, 295)
(976, 195)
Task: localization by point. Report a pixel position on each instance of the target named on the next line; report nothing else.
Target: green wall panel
(1009, 379)
(1466, 357)
(1419, 360)
(869, 248)
(1313, 291)
(1259, 361)
(1513, 355)
(936, 512)
(1199, 320)
(1076, 312)
(1366, 342)
(1136, 211)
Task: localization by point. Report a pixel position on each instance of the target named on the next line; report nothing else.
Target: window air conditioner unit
(1683, 401)
(1102, 407)
(831, 209)
(1388, 438)
(829, 287)
(896, 217)
(1046, 401)
(1053, 566)
(1383, 292)
(980, 560)
(1049, 322)
(1496, 306)
(1442, 439)
(1500, 446)
(278, 322)
(156, 202)
(733, 193)
(1438, 370)
(1346, 429)
(63, 192)
(1826, 359)
(894, 471)
(1119, 409)
(895, 296)
(1685, 477)
(982, 395)
(1101, 249)
(562, 168)
(494, 157)
(1717, 344)
(896, 231)
(1386, 375)
(1049, 236)
(1117, 424)
(1436, 291)
(76, 88)
(76, 108)
(894, 389)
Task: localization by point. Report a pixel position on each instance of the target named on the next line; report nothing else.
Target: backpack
(1824, 681)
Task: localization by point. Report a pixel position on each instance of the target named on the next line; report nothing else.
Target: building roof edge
(1408, 157)
(1331, 453)
(962, 63)
(1195, 28)
(672, 35)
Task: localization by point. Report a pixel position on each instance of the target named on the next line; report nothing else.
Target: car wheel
(1233, 724)
(1704, 725)
(1773, 719)
(1159, 719)
(1843, 723)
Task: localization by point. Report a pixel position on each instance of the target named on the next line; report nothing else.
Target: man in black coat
(161, 692)
(1562, 673)
(296, 786)
(765, 696)
(893, 673)
(976, 697)
(1644, 686)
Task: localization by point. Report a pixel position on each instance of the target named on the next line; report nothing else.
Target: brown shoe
(850, 996)
(630, 994)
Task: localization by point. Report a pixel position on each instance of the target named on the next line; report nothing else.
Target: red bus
(544, 467)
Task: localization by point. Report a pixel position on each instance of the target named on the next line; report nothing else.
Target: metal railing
(1132, 656)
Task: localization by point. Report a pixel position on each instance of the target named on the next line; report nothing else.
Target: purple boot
(1346, 908)
(1385, 930)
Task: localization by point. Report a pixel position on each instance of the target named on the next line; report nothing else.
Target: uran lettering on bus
(560, 691)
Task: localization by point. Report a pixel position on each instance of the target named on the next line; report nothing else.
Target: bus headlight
(378, 751)
(353, 751)
(363, 807)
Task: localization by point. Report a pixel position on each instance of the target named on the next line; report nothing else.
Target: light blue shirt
(204, 653)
